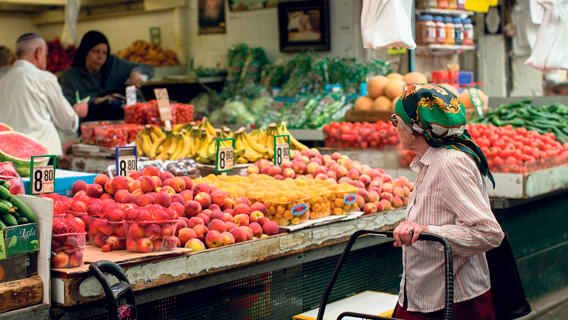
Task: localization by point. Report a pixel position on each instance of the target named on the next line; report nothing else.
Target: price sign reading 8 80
(281, 149)
(42, 178)
(126, 160)
(225, 155)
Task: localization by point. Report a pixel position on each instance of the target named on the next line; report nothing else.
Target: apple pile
(67, 242)
(360, 135)
(377, 191)
(147, 210)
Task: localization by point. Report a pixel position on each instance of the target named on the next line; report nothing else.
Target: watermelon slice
(18, 149)
(5, 127)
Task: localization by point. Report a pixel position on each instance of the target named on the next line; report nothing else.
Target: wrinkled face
(406, 138)
(96, 57)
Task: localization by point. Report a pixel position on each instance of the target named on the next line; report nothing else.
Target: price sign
(225, 156)
(476, 100)
(126, 160)
(164, 106)
(130, 95)
(42, 177)
(281, 150)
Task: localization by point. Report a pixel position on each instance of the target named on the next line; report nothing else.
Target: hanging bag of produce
(387, 23)
(549, 52)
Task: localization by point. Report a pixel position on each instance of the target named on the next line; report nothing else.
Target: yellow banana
(254, 145)
(182, 144)
(146, 145)
(294, 144)
(157, 131)
(241, 144)
(154, 149)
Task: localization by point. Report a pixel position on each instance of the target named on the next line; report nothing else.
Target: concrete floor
(559, 312)
(551, 307)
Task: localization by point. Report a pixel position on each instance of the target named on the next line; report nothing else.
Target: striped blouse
(450, 198)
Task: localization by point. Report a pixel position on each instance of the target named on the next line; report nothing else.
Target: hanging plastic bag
(69, 35)
(387, 23)
(549, 52)
(10, 178)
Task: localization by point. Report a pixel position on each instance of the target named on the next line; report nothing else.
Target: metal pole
(411, 53)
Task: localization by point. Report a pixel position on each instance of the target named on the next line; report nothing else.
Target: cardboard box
(19, 266)
(18, 239)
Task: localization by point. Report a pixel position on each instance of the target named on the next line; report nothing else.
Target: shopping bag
(506, 286)
(386, 23)
(549, 52)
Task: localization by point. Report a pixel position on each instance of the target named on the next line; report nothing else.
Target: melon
(18, 149)
(5, 127)
(394, 101)
(382, 104)
(465, 99)
(394, 88)
(415, 78)
(395, 76)
(363, 103)
(450, 88)
(376, 86)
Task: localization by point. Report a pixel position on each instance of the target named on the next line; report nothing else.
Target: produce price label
(350, 198)
(224, 160)
(163, 104)
(299, 209)
(281, 150)
(130, 95)
(42, 178)
(126, 160)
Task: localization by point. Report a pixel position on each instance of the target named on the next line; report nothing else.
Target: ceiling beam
(36, 2)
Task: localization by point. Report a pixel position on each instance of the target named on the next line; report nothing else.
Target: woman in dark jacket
(97, 74)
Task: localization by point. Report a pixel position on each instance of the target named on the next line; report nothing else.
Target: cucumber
(5, 193)
(2, 226)
(9, 219)
(22, 220)
(5, 208)
(24, 209)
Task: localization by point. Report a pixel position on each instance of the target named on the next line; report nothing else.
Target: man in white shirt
(31, 99)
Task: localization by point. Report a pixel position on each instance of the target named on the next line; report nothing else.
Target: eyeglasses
(394, 120)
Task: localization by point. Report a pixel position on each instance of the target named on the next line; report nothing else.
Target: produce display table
(179, 272)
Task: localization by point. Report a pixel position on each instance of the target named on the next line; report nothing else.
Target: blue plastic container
(465, 78)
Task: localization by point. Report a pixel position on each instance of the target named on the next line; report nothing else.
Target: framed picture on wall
(211, 16)
(304, 25)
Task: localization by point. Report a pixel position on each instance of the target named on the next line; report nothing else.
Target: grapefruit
(394, 88)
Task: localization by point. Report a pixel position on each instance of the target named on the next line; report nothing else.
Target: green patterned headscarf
(437, 114)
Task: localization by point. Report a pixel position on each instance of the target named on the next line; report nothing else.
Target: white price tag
(282, 153)
(225, 158)
(163, 104)
(130, 95)
(43, 179)
(126, 161)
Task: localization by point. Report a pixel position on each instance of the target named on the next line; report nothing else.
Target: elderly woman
(450, 200)
(101, 76)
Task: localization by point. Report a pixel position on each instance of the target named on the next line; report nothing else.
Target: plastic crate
(465, 78)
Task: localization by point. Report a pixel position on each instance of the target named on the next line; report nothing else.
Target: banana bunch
(199, 141)
(252, 151)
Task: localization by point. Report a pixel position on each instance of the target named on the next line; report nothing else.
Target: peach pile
(67, 242)
(147, 210)
(377, 191)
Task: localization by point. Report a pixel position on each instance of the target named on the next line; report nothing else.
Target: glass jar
(449, 30)
(429, 30)
(442, 4)
(440, 30)
(467, 32)
(458, 31)
(461, 4)
(452, 4)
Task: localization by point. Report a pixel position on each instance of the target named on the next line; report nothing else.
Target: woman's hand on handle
(407, 233)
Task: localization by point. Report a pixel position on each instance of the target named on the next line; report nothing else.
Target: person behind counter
(32, 100)
(6, 60)
(100, 76)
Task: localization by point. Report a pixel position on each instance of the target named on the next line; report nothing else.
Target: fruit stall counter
(176, 273)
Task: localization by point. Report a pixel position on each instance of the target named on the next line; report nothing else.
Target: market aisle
(558, 313)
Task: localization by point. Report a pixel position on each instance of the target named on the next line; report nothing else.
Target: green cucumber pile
(543, 119)
(13, 212)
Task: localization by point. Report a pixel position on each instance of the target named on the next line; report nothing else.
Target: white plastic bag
(549, 52)
(69, 34)
(387, 23)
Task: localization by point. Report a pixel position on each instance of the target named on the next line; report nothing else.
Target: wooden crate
(20, 293)
(367, 115)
